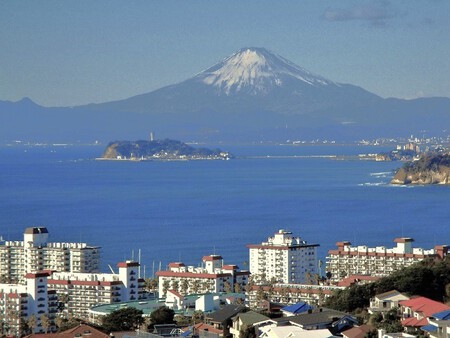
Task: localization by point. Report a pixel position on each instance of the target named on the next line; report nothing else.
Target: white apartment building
(213, 276)
(283, 258)
(35, 253)
(290, 294)
(18, 302)
(379, 261)
(82, 291)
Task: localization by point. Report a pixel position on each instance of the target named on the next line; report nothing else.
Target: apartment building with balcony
(18, 302)
(284, 259)
(36, 253)
(378, 261)
(212, 276)
(289, 294)
(82, 291)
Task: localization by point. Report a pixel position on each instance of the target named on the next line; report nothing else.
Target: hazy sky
(75, 52)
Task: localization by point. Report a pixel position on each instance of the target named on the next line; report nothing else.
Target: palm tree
(184, 286)
(45, 321)
(32, 322)
(166, 286)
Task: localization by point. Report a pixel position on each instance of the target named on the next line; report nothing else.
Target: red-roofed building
(211, 276)
(357, 331)
(415, 312)
(20, 301)
(378, 261)
(357, 279)
(84, 290)
(80, 331)
(290, 294)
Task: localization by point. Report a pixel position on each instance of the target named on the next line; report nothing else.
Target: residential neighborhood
(51, 289)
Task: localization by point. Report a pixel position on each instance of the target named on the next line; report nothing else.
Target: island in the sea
(430, 168)
(160, 150)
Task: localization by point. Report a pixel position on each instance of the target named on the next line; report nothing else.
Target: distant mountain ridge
(251, 95)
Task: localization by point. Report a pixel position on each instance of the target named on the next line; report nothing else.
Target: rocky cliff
(429, 169)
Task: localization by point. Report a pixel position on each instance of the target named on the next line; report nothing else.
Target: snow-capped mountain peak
(255, 71)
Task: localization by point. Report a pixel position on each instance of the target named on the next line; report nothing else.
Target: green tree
(195, 286)
(162, 315)
(151, 284)
(32, 322)
(197, 317)
(46, 323)
(247, 331)
(237, 288)
(227, 287)
(166, 286)
(125, 319)
(175, 285)
(184, 286)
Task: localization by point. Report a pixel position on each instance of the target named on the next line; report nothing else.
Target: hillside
(251, 95)
(160, 150)
(431, 168)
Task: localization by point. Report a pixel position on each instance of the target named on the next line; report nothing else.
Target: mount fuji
(254, 94)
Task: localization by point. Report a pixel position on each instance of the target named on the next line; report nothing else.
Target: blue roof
(443, 315)
(429, 328)
(297, 308)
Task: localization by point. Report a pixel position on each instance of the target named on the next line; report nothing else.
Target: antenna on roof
(139, 261)
(110, 267)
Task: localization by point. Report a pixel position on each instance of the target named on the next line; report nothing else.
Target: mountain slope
(253, 94)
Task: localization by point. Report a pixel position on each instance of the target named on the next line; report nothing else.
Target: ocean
(183, 210)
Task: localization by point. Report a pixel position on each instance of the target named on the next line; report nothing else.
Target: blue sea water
(177, 210)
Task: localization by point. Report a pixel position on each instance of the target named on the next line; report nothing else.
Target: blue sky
(60, 52)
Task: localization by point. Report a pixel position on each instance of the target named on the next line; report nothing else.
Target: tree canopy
(429, 278)
(125, 319)
(162, 315)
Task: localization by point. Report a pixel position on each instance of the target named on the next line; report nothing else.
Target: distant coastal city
(48, 287)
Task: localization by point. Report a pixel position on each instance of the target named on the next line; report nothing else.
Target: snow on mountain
(256, 71)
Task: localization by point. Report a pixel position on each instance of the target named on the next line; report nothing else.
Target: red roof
(191, 274)
(424, 305)
(37, 275)
(127, 264)
(357, 278)
(176, 264)
(357, 332)
(82, 330)
(230, 267)
(403, 240)
(211, 258)
(414, 322)
(205, 327)
(176, 293)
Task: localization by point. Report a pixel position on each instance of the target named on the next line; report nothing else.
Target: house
(293, 332)
(296, 309)
(222, 319)
(357, 331)
(323, 322)
(81, 331)
(245, 320)
(386, 301)
(415, 312)
(439, 324)
(383, 334)
(174, 300)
